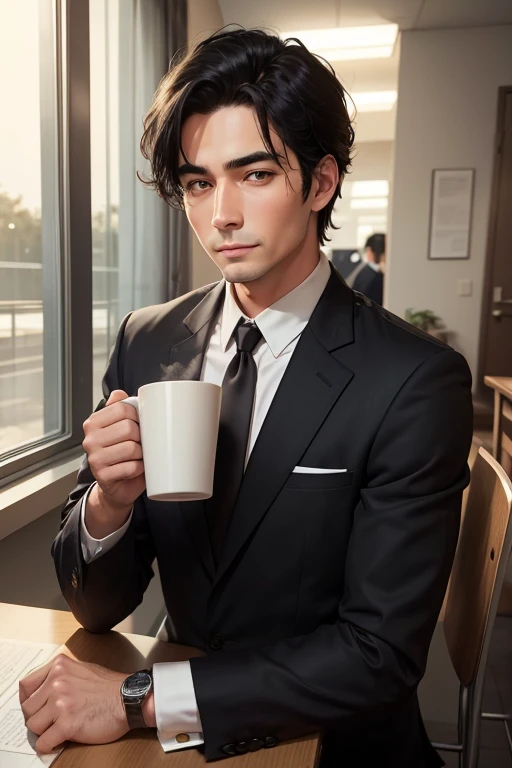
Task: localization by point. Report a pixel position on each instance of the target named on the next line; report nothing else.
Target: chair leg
(473, 716)
(463, 727)
(509, 737)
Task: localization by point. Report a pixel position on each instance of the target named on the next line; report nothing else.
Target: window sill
(25, 500)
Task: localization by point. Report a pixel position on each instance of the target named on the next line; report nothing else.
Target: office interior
(83, 242)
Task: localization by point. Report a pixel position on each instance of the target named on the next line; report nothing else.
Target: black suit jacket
(371, 283)
(320, 613)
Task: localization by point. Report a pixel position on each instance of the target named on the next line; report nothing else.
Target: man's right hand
(114, 451)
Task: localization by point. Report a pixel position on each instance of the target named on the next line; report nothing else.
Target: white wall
(446, 118)
(204, 18)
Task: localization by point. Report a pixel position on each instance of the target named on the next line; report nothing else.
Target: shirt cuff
(177, 717)
(93, 548)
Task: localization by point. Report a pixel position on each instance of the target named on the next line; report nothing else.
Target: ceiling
(286, 15)
(367, 75)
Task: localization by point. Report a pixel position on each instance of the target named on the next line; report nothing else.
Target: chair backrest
(479, 567)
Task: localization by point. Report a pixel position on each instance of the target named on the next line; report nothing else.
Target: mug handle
(133, 401)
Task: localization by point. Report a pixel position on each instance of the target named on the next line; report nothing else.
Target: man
(312, 583)
(368, 278)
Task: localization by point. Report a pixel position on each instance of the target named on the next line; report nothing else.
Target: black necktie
(238, 389)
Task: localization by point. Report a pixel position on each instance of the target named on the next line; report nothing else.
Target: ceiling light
(369, 202)
(370, 188)
(373, 101)
(375, 218)
(372, 42)
(345, 54)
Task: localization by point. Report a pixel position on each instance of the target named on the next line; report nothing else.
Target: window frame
(66, 23)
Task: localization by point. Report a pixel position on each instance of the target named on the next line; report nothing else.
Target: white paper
(17, 743)
(451, 214)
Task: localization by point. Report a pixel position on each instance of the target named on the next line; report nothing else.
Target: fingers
(130, 450)
(126, 470)
(56, 735)
(41, 720)
(33, 681)
(118, 432)
(36, 688)
(116, 395)
(110, 414)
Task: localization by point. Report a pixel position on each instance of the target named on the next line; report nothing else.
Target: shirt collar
(283, 321)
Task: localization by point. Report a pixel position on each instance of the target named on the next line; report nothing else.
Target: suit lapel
(185, 363)
(311, 385)
(192, 336)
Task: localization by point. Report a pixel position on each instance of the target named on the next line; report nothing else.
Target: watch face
(137, 684)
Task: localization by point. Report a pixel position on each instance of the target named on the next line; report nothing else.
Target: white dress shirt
(281, 326)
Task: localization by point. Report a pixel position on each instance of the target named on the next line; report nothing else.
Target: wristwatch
(134, 691)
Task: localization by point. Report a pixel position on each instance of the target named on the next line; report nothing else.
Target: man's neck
(257, 295)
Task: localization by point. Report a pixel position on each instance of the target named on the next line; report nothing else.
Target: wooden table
(128, 653)
(502, 386)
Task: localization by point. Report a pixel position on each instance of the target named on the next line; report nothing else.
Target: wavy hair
(289, 88)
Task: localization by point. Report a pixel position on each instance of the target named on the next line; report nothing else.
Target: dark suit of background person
(320, 613)
(370, 282)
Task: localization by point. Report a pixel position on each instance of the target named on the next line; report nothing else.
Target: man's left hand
(67, 700)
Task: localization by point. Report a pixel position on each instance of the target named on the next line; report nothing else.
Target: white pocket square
(317, 471)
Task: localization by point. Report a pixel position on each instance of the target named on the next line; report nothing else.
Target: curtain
(154, 240)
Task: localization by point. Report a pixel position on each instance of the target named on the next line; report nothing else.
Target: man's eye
(260, 175)
(197, 185)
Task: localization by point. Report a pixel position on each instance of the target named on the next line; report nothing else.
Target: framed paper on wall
(450, 213)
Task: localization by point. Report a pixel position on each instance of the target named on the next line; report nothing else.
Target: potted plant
(427, 321)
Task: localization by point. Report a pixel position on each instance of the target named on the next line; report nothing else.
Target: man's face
(247, 212)
(369, 255)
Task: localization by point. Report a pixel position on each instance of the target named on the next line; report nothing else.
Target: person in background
(369, 277)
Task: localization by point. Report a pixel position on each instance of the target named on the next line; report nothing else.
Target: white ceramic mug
(179, 424)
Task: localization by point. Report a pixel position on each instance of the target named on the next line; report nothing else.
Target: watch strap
(134, 714)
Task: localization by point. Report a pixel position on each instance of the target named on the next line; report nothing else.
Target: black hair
(289, 88)
(377, 243)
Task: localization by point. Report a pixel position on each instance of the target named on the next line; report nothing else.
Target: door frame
(483, 391)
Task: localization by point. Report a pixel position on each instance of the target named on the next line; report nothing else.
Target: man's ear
(327, 176)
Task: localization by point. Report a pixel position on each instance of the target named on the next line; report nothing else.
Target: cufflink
(182, 738)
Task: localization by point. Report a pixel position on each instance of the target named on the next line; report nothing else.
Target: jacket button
(242, 747)
(270, 741)
(229, 749)
(217, 642)
(255, 744)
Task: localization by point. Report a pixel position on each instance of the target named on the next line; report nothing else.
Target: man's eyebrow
(199, 170)
(238, 162)
(254, 157)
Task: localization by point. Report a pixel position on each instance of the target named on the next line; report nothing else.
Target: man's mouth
(235, 249)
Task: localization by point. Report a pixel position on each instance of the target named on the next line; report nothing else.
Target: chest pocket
(306, 481)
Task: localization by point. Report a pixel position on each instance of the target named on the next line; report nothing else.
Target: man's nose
(227, 211)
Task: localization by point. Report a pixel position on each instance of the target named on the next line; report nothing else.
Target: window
(44, 182)
(30, 297)
(104, 44)
(82, 242)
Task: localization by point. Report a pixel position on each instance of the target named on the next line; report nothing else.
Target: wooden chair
(478, 572)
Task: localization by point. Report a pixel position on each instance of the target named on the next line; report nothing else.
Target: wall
(204, 17)
(446, 118)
